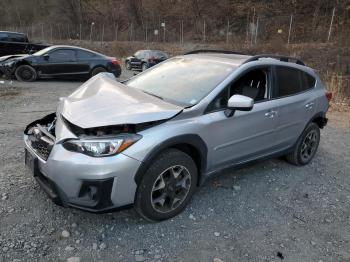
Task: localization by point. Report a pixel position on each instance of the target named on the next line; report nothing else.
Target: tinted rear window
(291, 81)
(308, 81)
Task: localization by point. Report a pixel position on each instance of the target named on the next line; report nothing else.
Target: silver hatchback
(152, 140)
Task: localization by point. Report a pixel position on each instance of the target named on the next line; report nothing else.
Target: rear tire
(25, 73)
(98, 70)
(167, 186)
(306, 146)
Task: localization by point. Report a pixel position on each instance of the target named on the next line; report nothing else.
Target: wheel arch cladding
(20, 63)
(98, 66)
(319, 119)
(191, 144)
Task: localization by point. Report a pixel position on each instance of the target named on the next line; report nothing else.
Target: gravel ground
(269, 211)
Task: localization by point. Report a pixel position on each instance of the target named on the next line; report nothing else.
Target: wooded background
(184, 20)
(317, 31)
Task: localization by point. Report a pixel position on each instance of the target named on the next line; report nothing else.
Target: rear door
(293, 92)
(84, 61)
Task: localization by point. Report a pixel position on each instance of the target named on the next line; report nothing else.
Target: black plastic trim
(321, 115)
(279, 57)
(188, 139)
(50, 188)
(100, 211)
(240, 165)
(103, 194)
(213, 51)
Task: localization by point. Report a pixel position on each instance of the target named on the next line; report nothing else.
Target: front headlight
(99, 147)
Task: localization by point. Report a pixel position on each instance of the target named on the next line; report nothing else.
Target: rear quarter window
(307, 81)
(290, 81)
(85, 55)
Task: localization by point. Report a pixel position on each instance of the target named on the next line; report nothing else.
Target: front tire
(144, 67)
(306, 146)
(25, 73)
(167, 186)
(128, 65)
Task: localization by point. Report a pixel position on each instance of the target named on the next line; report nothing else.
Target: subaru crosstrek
(152, 140)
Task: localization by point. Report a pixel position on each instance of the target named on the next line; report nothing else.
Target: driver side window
(253, 84)
(62, 55)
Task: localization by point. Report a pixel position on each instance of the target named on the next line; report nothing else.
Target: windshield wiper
(148, 93)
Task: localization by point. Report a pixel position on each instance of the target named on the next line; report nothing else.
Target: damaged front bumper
(6, 69)
(71, 179)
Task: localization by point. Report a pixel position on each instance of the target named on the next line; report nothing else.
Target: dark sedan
(58, 61)
(144, 59)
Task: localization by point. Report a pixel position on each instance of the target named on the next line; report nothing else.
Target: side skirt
(241, 164)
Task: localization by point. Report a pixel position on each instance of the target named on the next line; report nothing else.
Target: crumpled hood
(8, 57)
(102, 101)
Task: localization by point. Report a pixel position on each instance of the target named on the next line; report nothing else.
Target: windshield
(184, 81)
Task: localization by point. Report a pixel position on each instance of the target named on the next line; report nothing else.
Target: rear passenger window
(84, 54)
(291, 81)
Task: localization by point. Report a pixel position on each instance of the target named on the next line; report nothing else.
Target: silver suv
(152, 140)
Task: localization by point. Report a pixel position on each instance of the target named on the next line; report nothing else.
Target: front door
(247, 134)
(59, 62)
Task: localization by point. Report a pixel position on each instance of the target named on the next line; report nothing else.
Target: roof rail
(213, 51)
(278, 57)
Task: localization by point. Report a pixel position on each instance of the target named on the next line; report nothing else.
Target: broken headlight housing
(100, 147)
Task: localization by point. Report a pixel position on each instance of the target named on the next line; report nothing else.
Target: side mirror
(46, 56)
(238, 102)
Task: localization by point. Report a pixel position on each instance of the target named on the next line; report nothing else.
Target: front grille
(41, 137)
(41, 147)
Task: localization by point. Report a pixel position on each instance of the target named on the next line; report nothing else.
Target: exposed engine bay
(41, 135)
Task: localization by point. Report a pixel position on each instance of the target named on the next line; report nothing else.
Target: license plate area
(31, 162)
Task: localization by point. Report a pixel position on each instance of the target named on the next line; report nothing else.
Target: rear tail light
(329, 96)
(115, 62)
